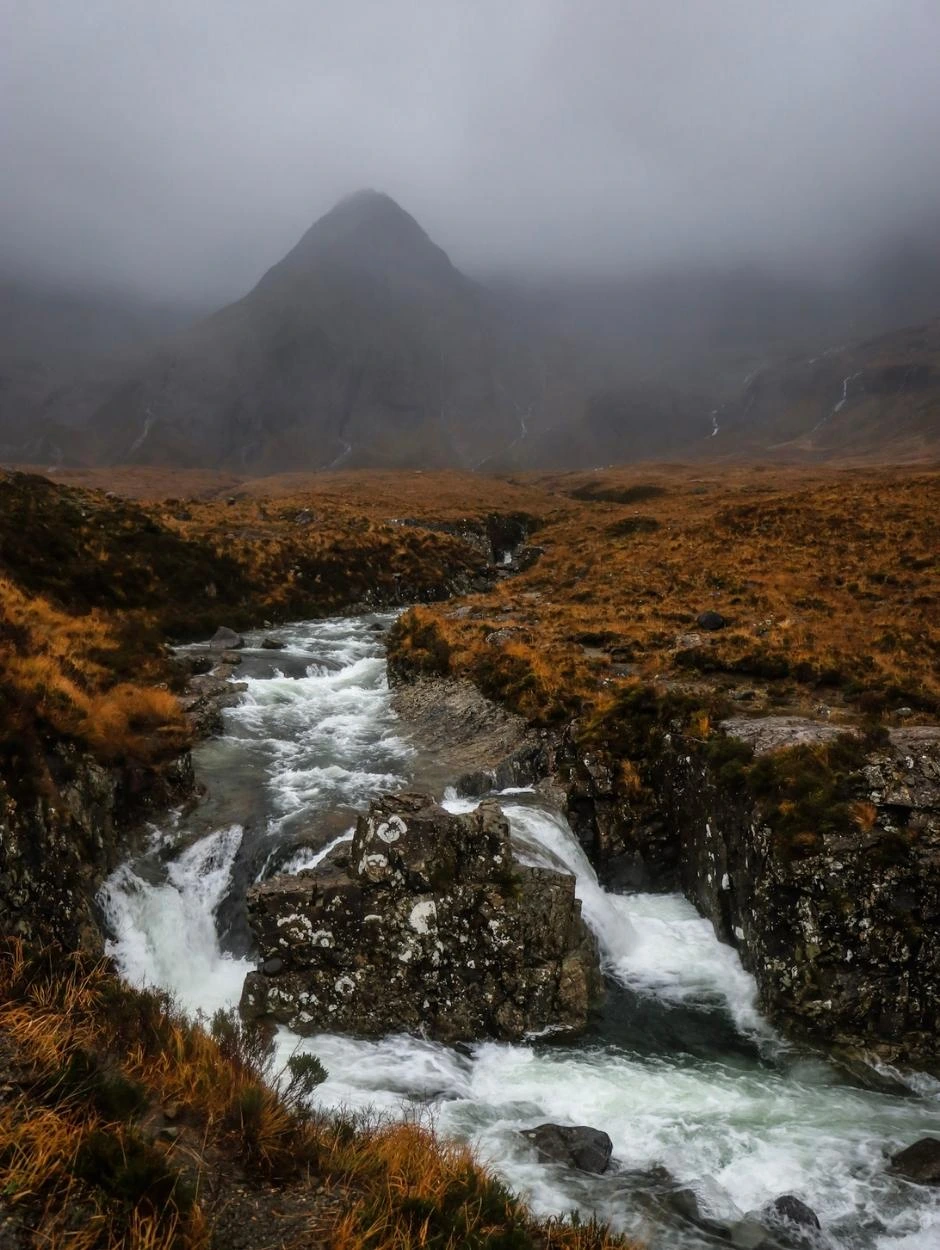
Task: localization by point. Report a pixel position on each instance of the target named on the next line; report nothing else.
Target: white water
(681, 1070)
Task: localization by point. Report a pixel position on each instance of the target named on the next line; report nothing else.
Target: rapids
(679, 1068)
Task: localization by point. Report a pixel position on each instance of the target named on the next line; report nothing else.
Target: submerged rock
(225, 639)
(788, 1209)
(426, 925)
(581, 1147)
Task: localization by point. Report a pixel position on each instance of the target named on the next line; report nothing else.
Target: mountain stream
(679, 1067)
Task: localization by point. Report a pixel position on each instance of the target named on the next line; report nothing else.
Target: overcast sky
(182, 146)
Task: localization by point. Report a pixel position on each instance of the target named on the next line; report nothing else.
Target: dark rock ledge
(840, 929)
(426, 924)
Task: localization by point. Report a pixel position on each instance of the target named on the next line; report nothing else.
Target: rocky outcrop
(426, 925)
(485, 746)
(206, 697)
(225, 639)
(836, 923)
(61, 836)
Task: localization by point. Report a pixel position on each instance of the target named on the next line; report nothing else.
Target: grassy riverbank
(124, 1125)
(825, 585)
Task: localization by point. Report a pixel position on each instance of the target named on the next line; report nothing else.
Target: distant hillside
(876, 400)
(366, 347)
(60, 349)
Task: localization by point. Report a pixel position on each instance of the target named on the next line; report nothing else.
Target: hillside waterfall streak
(680, 1068)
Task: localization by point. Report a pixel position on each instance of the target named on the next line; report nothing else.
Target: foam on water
(305, 859)
(166, 933)
(737, 1128)
(656, 944)
(325, 739)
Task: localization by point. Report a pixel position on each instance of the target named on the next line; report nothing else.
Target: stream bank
(838, 921)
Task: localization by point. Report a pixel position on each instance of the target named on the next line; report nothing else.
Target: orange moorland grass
(95, 1068)
(828, 581)
(442, 494)
(56, 671)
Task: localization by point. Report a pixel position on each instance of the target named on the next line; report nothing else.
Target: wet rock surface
(225, 639)
(424, 924)
(587, 1149)
(57, 848)
(206, 696)
(792, 1222)
(837, 927)
(480, 743)
(839, 932)
(920, 1162)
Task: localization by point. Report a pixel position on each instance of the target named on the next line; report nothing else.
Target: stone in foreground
(425, 925)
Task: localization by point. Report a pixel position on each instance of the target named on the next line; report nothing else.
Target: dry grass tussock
(55, 673)
(124, 1125)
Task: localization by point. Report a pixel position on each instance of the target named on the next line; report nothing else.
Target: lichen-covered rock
(840, 934)
(838, 926)
(425, 925)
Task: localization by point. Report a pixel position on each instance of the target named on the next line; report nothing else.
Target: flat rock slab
(471, 735)
(773, 733)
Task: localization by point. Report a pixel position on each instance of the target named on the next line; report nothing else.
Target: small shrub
(129, 1170)
(113, 1095)
(304, 1072)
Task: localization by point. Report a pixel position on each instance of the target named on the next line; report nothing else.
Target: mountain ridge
(365, 346)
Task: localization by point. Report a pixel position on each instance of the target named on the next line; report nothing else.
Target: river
(679, 1067)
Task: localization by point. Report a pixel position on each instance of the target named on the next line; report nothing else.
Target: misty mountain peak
(368, 233)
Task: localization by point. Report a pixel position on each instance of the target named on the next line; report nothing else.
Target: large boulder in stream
(425, 924)
(579, 1146)
(919, 1163)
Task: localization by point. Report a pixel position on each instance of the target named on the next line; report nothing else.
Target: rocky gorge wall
(838, 925)
(65, 831)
